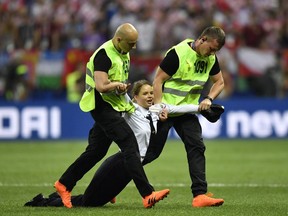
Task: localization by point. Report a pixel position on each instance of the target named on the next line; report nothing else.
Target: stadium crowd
(36, 33)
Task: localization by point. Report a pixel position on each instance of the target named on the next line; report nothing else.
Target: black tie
(153, 131)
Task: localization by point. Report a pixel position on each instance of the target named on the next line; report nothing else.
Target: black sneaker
(54, 195)
(38, 200)
(213, 113)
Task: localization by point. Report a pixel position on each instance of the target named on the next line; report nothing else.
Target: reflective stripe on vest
(186, 85)
(89, 81)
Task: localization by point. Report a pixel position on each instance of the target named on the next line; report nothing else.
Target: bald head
(126, 31)
(125, 38)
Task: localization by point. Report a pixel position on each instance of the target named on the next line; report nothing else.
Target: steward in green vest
(106, 77)
(118, 72)
(179, 80)
(186, 85)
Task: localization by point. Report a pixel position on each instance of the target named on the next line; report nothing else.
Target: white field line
(249, 185)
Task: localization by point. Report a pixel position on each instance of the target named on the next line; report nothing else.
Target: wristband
(209, 98)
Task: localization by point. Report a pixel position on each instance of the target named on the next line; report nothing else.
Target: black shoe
(54, 195)
(54, 199)
(213, 113)
(38, 200)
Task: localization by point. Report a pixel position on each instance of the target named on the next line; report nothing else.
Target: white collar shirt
(141, 127)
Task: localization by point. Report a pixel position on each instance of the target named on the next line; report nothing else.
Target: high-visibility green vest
(186, 85)
(118, 72)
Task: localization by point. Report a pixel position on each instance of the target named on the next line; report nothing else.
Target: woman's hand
(163, 115)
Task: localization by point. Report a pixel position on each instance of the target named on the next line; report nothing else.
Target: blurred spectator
(121, 15)
(75, 84)
(253, 26)
(25, 31)
(16, 85)
(90, 11)
(47, 33)
(164, 26)
(7, 30)
(272, 26)
(41, 8)
(228, 66)
(284, 34)
(95, 35)
(253, 33)
(73, 32)
(146, 26)
(183, 16)
(181, 28)
(256, 65)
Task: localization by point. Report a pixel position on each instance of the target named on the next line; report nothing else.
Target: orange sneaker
(155, 197)
(113, 200)
(206, 200)
(64, 194)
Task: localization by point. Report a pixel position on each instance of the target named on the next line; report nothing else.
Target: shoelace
(209, 194)
(152, 200)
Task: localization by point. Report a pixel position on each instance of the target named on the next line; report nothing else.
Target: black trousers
(109, 126)
(112, 176)
(190, 131)
(109, 180)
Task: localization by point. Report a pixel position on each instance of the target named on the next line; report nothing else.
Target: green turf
(251, 175)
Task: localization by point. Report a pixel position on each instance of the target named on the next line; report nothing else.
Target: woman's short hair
(138, 85)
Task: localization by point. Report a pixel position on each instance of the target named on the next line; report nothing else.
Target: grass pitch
(251, 175)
